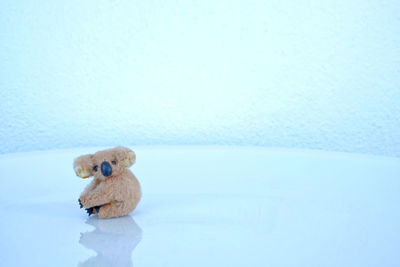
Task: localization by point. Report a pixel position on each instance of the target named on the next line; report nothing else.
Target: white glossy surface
(207, 207)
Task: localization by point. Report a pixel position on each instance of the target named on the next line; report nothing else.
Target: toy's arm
(97, 197)
(92, 185)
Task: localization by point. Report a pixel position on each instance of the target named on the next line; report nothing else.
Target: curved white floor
(207, 206)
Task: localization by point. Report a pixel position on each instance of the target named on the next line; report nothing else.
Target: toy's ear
(125, 156)
(83, 166)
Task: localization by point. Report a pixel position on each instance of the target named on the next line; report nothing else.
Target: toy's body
(114, 191)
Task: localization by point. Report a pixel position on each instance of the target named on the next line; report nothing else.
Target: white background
(305, 74)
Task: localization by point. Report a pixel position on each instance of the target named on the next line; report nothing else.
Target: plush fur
(114, 191)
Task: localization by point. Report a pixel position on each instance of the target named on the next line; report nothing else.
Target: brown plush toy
(114, 191)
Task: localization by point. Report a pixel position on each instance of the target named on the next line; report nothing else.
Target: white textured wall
(309, 74)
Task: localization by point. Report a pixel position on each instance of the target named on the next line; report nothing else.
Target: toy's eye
(95, 168)
(113, 162)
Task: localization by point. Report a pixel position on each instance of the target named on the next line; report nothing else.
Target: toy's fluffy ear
(125, 156)
(83, 166)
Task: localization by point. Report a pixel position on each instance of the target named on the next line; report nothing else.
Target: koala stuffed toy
(114, 191)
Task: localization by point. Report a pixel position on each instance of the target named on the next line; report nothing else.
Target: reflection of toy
(114, 241)
(114, 191)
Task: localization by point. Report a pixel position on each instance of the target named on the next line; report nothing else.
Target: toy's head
(104, 163)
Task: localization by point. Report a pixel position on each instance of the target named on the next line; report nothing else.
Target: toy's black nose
(106, 169)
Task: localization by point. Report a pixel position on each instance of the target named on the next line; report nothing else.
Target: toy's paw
(93, 210)
(80, 203)
(83, 202)
(97, 208)
(89, 211)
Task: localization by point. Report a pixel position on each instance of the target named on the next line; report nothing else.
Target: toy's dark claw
(80, 203)
(97, 208)
(89, 211)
